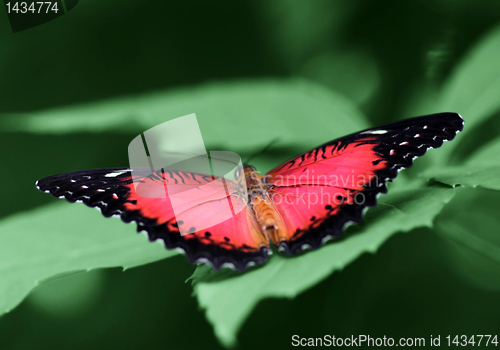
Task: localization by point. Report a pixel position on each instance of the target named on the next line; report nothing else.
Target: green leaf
(484, 176)
(482, 169)
(238, 115)
(473, 88)
(69, 294)
(63, 238)
(229, 297)
(486, 155)
(475, 252)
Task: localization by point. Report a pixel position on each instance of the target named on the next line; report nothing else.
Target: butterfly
(299, 205)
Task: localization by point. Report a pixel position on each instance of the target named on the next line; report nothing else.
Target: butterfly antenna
(275, 140)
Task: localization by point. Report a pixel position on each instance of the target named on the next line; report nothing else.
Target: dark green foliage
(76, 90)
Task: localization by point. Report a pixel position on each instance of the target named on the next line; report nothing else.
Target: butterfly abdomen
(265, 214)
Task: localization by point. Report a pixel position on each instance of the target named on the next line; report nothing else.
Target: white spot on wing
(116, 173)
(375, 132)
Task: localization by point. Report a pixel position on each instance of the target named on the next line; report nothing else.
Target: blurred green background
(75, 91)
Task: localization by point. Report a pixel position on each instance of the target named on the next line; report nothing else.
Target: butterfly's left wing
(233, 242)
(319, 192)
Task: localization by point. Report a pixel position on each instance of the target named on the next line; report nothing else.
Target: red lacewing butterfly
(280, 205)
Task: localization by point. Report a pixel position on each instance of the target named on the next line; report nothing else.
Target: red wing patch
(319, 192)
(237, 242)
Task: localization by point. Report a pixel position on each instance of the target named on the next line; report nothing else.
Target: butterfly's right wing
(319, 192)
(235, 242)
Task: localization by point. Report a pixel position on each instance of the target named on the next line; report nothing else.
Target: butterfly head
(252, 176)
(247, 168)
(243, 171)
